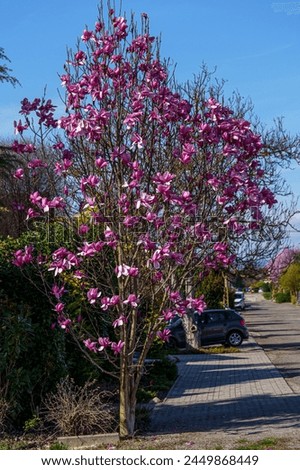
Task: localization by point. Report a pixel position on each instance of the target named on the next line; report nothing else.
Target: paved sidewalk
(235, 392)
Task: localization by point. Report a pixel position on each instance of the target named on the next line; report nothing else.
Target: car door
(213, 327)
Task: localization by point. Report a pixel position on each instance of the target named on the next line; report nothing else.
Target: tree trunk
(192, 332)
(127, 401)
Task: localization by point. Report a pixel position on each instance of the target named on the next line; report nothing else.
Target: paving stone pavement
(234, 392)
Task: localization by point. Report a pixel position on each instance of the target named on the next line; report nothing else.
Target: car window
(176, 321)
(239, 296)
(231, 315)
(213, 317)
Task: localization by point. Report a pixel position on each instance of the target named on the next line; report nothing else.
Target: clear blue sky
(255, 45)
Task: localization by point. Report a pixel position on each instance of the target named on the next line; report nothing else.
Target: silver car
(239, 301)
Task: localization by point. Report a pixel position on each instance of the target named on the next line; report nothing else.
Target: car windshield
(239, 295)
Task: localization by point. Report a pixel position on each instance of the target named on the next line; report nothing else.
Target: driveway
(276, 328)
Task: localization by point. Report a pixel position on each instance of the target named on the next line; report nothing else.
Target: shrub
(33, 356)
(212, 287)
(267, 295)
(72, 409)
(282, 297)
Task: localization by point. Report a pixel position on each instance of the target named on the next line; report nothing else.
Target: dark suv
(218, 326)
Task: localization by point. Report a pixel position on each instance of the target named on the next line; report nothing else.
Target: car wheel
(234, 338)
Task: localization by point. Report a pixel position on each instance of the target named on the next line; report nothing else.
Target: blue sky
(254, 44)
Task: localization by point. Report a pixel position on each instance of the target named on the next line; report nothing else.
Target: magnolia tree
(281, 262)
(128, 152)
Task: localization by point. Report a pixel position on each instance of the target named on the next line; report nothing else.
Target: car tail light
(242, 322)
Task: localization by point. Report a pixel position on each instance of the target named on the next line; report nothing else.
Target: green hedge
(282, 297)
(267, 295)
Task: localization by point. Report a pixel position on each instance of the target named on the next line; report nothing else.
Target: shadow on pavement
(249, 414)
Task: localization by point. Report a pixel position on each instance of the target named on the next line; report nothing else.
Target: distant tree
(5, 70)
(290, 280)
(280, 263)
(212, 287)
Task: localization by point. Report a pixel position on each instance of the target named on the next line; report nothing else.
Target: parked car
(218, 326)
(239, 300)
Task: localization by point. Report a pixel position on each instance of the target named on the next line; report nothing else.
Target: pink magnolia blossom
(119, 321)
(131, 221)
(64, 323)
(222, 247)
(101, 163)
(117, 347)
(164, 335)
(137, 141)
(214, 182)
(90, 202)
(57, 291)
(107, 302)
(83, 229)
(131, 120)
(22, 148)
(156, 259)
(87, 35)
(168, 315)
(120, 26)
(103, 343)
(145, 200)
(131, 300)
(46, 204)
(109, 234)
(62, 260)
(147, 242)
(62, 168)
(19, 173)
(197, 304)
(19, 127)
(35, 197)
(28, 107)
(90, 345)
(175, 297)
(23, 257)
(93, 294)
(31, 213)
(157, 277)
(79, 274)
(88, 249)
(80, 57)
(36, 163)
(187, 153)
(90, 181)
(125, 270)
(59, 307)
(163, 178)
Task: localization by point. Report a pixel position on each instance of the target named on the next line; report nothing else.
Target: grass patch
(195, 442)
(218, 350)
(268, 443)
(58, 446)
(170, 442)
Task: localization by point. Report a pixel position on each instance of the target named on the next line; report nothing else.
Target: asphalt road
(276, 328)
